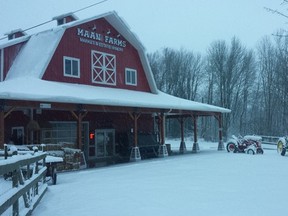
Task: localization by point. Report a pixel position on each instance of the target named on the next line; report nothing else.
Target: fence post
(15, 184)
(36, 172)
(44, 164)
(5, 151)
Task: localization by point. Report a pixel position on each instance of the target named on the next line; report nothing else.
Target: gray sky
(189, 24)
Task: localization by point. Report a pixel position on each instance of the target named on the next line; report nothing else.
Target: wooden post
(79, 131)
(135, 151)
(182, 148)
(79, 119)
(161, 126)
(220, 131)
(2, 134)
(135, 130)
(162, 151)
(2, 129)
(195, 147)
(15, 183)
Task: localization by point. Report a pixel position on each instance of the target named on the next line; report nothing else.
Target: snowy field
(207, 183)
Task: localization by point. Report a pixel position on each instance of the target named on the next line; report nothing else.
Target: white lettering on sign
(97, 39)
(89, 34)
(115, 41)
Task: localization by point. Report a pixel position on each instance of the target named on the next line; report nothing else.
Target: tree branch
(276, 11)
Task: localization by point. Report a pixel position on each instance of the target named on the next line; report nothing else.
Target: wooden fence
(272, 140)
(26, 176)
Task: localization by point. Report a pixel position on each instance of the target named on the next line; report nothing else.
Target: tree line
(253, 83)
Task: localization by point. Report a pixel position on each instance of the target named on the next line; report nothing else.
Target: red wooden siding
(71, 46)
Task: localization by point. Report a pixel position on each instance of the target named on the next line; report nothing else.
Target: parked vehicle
(282, 145)
(249, 144)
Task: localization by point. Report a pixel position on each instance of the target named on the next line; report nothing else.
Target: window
(103, 68)
(71, 67)
(130, 76)
(17, 135)
(64, 132)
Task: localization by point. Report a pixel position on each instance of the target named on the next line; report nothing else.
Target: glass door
(105, 142)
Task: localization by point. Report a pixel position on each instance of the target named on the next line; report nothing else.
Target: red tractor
(249, 144)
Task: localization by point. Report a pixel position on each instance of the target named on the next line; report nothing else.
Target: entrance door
(105, 142)
(18, 135)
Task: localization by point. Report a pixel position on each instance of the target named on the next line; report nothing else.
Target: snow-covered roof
(35, 89)
(36, 54)
(24, 79)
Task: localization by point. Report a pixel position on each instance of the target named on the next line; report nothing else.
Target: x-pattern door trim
(103, 68)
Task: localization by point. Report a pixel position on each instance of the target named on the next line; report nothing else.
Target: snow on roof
(36, 54)
(23, 81)
(40, 90)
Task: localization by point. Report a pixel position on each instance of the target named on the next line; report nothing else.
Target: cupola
(15, 34)
(65, 18)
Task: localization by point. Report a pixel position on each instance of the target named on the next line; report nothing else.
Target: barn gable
(95, 53)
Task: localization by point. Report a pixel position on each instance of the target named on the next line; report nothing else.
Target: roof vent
(65, 18)
(15, 34)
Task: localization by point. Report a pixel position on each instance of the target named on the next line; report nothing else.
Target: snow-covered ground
(207, 183)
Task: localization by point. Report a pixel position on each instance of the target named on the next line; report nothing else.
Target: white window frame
(129, 72)
(103, 68)
(71, 59)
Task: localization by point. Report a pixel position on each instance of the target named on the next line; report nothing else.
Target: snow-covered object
(35, 149)
(253, 137)
(250, 144)
(234, 140)
(283, 140)
(53, 159)
(12, 150)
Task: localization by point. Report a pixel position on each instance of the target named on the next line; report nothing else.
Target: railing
(272, 140)
(26, 176)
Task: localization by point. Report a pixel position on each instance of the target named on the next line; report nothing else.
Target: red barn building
(88, 83)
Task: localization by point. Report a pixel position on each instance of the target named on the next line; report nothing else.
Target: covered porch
(129, 119)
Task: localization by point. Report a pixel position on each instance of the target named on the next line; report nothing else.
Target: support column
(2, 125)
(2, 129)
(79, 132)
(162, 151)
(220, 131)
(135, 151)
(31, 132)
(195, 147)
(79, 118)
(182, 148)
(2, 122)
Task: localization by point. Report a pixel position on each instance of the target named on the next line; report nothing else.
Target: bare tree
(179, 73)
(232, 69)
(267, 68)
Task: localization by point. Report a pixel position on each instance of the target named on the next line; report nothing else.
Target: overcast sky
(189, 24)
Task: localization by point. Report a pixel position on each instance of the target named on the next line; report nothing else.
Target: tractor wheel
(231, 147)
(250, 151)
(279, 146)
(259, 151)
(283, 152)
